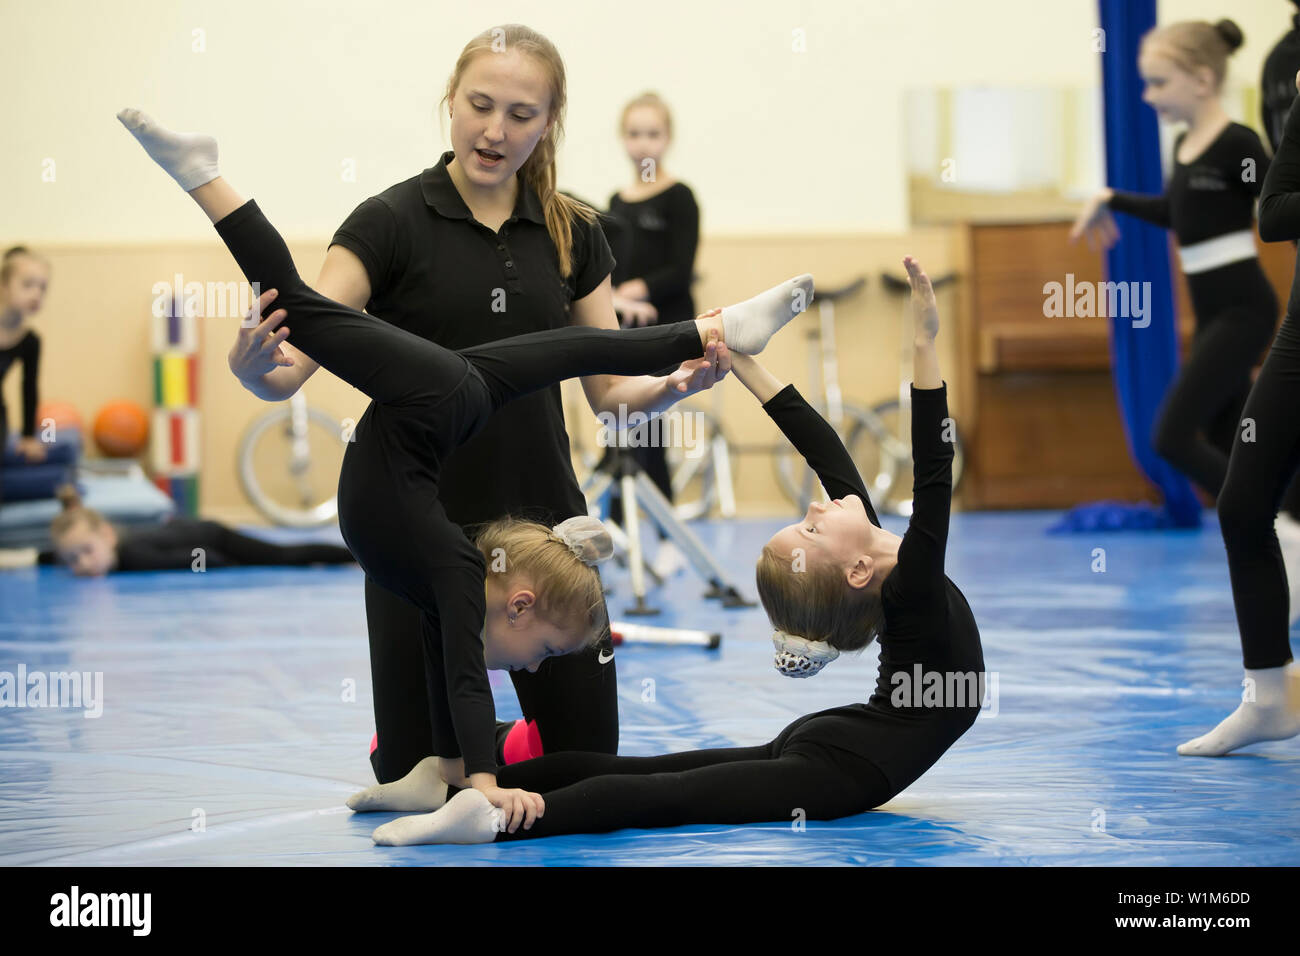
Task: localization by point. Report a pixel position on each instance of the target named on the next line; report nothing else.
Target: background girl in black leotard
(1258, 472)
(825, 765)
(468, 252)
(91, 546)
(658, 224)
(1208, 203)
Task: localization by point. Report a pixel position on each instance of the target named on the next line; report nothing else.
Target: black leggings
(230, 547)
(1258, 473)
(1236, 313)
(573, 698)
(791, 778)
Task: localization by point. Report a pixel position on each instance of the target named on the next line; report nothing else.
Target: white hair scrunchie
(586, 537)
(799, 657)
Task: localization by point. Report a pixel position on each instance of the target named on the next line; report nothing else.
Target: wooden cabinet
(1042, 424)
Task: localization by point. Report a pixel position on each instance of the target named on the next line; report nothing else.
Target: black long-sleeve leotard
(928, 622)
(1212, 195)
(833, 763)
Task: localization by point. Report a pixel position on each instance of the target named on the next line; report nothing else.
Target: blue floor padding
(226, 694)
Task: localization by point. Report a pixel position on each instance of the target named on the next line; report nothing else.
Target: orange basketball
(63, 414)
(121, 429)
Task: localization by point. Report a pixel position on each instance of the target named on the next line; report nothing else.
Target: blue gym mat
(242, 698)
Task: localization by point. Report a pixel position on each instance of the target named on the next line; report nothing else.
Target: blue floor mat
(242, 698)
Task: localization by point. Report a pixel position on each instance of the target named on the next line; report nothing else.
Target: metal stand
(640, 493)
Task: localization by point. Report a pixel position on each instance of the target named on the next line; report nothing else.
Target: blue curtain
(1144, 360)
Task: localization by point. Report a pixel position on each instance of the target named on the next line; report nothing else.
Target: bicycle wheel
(291, 474)
(877, 449)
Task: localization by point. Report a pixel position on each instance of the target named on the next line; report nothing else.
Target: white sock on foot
(469, 817)
(421, 789)
(1274, 714)
(748, 325)
(189, 158)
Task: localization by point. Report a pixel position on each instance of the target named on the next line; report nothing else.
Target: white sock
(748, 325)
(469, 817)
(189, 158)
(421, 789)
(1274, 714)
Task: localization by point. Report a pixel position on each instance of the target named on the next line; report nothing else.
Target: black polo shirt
(438, 272)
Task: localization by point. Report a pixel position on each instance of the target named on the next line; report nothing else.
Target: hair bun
(1231, 34)
(587, 538)
(68, 496)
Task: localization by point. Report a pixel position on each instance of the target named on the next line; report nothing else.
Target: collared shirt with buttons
(438, 272)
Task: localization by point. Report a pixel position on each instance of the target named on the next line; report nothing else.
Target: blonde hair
(817, 603)
(538, 170)
(569, 592)
(1193, 44)
(11, 257)
(73, 513)
(647, 99)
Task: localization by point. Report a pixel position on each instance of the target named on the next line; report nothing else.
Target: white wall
(773, 141)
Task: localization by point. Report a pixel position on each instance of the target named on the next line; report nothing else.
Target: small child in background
(91, 546)
(24, 277)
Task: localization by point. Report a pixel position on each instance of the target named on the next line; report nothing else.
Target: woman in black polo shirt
(481, 247)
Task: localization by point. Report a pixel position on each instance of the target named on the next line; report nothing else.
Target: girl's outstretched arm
(925, 317)
(760, 382)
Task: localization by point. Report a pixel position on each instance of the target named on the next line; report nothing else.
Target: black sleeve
(370, 231)
(1279, 202)
(592, 258)
(1152, 209)
(1277, 83)
(31, 356)
(673, 280)
(814, 439)
(458, 590)
(919, 572)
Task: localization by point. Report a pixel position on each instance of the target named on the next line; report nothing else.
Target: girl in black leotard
(426, 401)
(658, 222)
(1262, 464)
(836, 580)
(91, 546)
(1208, 203)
